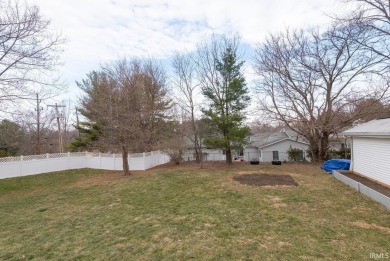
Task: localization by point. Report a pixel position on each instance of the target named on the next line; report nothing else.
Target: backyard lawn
(184, 212)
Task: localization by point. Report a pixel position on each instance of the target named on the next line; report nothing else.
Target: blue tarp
(336, 164)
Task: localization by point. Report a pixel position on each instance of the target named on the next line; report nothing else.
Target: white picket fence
(36, 164)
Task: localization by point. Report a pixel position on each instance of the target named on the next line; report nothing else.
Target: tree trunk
(196, 138)
(324, 146)
(315, 151)
(197, 154)
(125, 160)
(228, 156)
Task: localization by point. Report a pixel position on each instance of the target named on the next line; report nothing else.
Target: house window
(275, 155)
(224, 152)
(241, 153)
(300, 156)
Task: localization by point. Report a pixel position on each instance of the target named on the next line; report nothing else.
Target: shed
(370, 150)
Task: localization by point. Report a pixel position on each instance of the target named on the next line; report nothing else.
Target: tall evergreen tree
(225, 88)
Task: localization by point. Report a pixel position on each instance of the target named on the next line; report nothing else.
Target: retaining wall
(369, 192)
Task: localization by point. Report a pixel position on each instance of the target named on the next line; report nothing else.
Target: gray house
(274, 146)
(208, 154)
(370, 150)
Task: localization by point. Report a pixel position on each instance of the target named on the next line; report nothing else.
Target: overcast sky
(99, 31)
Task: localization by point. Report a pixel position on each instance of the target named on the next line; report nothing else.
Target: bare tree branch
(29, 53)
(308, 79)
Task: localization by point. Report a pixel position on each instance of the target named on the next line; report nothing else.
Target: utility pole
(61, 150)
(38, 109)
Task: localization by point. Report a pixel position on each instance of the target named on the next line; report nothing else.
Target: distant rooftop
(264, 139)
(379, 127)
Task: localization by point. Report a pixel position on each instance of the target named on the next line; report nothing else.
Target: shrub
(295, 154)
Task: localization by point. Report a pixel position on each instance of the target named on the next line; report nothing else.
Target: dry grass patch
(365, 225)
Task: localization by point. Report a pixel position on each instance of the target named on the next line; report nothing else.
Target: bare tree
(67, 120)
(47, 131)
(28, 53)
(364, 110)
(184, 80)
(309, 79)
(126, 101)
(174, 142)
(373, 15)
(261, 126)
(155, 102)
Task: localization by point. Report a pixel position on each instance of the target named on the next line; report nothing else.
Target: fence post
(100, 160)
(21, 165)
(113, 158)
(68, 160)
(143, 154)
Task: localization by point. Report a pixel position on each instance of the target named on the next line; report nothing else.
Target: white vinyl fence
(35, 164)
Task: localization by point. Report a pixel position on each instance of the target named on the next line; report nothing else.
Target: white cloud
(103, 30)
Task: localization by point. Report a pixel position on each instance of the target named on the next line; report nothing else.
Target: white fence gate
(35, 164)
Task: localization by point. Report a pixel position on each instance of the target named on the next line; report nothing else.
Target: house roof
(379, 127)
(262, 140)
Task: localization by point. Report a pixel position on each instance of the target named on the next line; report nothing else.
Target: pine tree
(228, 96)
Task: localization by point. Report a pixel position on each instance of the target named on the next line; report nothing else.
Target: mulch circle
(265, 180)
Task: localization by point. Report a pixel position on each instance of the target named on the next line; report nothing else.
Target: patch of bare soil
(265, 180)
(367, 182)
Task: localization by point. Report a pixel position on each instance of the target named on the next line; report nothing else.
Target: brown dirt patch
(367, 182)
(265, 180)
(363, 224)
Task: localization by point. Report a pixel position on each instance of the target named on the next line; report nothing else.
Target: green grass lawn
(183, 212)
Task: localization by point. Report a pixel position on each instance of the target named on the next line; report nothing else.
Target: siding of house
(208, 155)
(370, 157)
(282, 148)
(335, 145)
(214, 155)
(251, 153)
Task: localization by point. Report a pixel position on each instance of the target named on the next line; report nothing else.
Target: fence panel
(31, 167)
(136, 163)
(36, 164)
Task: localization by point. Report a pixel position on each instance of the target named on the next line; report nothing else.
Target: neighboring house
(208, 154)
(337, 142)
(274, 146)
(370, 146)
